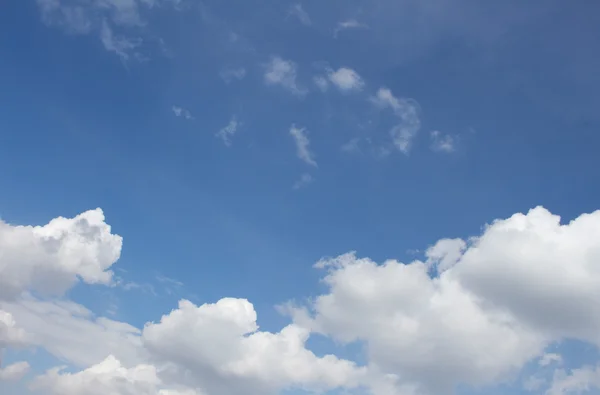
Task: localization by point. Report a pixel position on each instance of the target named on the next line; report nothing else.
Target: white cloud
(407, 111)
(442, 142)
(228, 355)
(226, 133)
(297, 11)
(100, 18)
(304, 180)
(231, 74)
(578, 381)
(303, 152)
(346, 79)
(10, 334)
(493, 304)
(124, 47)
(182, 112)
(14, 372)
(106, 377)
(51, 258)
(283, 72)
(72, 333)
(524, 284)
(348, 24)
(550, 358)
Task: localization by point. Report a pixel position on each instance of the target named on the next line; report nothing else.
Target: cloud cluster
(474, 312)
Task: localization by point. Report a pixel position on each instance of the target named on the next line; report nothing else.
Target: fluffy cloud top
(499, 300)
(107, 377)
(227, 353)
(51, 258)
(346, 79)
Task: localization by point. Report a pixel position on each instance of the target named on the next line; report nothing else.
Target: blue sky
(124, 105)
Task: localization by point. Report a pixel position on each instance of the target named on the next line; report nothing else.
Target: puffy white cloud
(220, 345)
(227, 132)
(407, 111)
(106, 377)
(300, 136)
(51, 258)
(346, 79)
(284, 73)
(14, 372)
(497, 302)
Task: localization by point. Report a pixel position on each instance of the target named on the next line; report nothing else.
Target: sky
(353, 197)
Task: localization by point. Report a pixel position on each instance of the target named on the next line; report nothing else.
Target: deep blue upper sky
(516, 85)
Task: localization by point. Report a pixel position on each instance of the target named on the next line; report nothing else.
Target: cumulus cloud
(228, 355)
(525, 283)
(300, 136)
(106, 377)
(407, 111)
(346, 79)
(442, 142)
(472, 312)
(227, 132)
(51, 258)
(283, 73)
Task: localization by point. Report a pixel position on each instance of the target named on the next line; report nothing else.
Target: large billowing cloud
(496, 302)
(228, 355)
(51, 258)
(473, 312)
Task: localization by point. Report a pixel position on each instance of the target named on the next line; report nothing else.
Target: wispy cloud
(348, 24)
(305, 180)
(443, 142)
(346, 79)
(229, 75)
(300, 137)
(124, 47)
(321, 82)
(297, 11)
(101, 18)
(182, 112)
(226, 133)
(284, 73)
(407, 111)
(352, 146)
